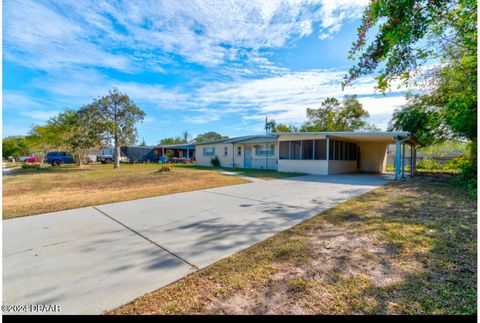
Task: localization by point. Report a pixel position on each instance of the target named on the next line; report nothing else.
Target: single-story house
(322, 153)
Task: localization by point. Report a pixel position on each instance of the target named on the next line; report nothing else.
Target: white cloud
(284, 97)
(124, 35)
(39, 114)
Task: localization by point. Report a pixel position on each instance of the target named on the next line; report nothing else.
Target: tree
(14, 146)
(173, 141)
(142, 143)
(43, 138)
(412, 34)
(115, 116)
(421, 121)
(270, 125)
(186, 136)
(285, 128)
(78, 133)
(334, 115)
(409, 35)
(273, 126)
(209, 136)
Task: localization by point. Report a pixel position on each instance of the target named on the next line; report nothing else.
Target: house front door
(248, 157)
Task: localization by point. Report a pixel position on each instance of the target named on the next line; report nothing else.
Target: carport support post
(403, 160)
(414, 159)
(328, 148)
(397, 158)
(411, 160)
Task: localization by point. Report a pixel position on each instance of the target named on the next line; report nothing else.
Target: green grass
(403, 248)
(391, 168)
(265, 174)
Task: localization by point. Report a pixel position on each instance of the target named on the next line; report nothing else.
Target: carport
(372, 150)
(329, 153)
(179, 151)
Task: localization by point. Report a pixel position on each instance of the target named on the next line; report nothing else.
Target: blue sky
(190, 65)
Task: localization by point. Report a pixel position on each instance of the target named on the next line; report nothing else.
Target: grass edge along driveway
(403, 248)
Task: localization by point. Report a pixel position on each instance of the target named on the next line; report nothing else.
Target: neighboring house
(93, 153)
(178, 151)
(139, 154)
(321, 153)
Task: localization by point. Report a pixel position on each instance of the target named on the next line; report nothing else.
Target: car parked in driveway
(57, 158)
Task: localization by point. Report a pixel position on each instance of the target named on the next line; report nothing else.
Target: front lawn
(264, 174)
(404, 248)
(34, 191)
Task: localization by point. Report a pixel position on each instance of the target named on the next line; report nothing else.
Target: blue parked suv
(56, 158)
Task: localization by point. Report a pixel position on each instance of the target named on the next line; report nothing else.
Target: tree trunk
(117, 152)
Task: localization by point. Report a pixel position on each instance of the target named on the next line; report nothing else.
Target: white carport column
(328, 148)
(403, 160)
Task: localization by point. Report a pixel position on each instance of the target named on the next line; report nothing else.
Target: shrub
(31, 166)
(428, 164)
(468, 176)
(215, 162)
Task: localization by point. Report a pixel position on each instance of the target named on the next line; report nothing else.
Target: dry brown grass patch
(402, 248)
(40, 191)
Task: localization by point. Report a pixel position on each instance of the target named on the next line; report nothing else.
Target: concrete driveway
(94, 259)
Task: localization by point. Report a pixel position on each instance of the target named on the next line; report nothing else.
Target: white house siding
(373, 157)
(341, 166)
(225, 160)
(318, 167)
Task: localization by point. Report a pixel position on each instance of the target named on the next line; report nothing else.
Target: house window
(239, 151)
(284, 150)
(342, 150)
(320, 149)
(225, 151)
(295, 149)
(307, 149)
(263, 150)
(316, 149)
(337, 150)
(209, 151)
